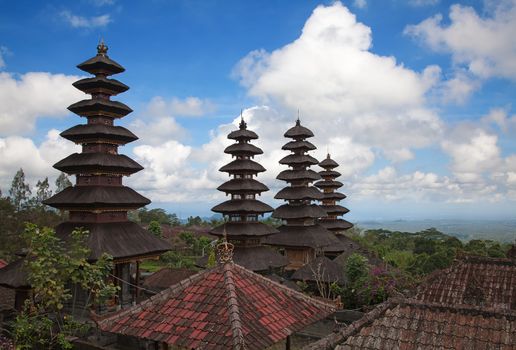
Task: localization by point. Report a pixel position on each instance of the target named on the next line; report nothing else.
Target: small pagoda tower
(99, 201)
(243, 209)
(329, 185)
(301, 237)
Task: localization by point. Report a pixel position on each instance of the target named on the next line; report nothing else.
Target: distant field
(502, 230)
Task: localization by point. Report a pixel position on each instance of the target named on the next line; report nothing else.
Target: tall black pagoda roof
(100, 84)
(105, 163)
(298, 132)
(85, 133)
(97, 197)
(101, 64)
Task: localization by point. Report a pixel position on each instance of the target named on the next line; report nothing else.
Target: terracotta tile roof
(220, 308)
(412, 324)
(2, 263)
(166, 277)
(479, 281)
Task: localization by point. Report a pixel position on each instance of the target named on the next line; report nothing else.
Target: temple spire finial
(102, 48)
(328, 152)
(243, 124)
(298, 122)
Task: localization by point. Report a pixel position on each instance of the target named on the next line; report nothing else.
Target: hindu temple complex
(254, 294)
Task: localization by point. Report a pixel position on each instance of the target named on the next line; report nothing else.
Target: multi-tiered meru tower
(242, 211)
(99, 201)
(330, 197)
(301, 237)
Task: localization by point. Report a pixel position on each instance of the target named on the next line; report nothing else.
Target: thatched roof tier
(336, 224)
(242, 135)
(328, 163)
(92, 133)
(101, 85)
(299, 146)
(98, 197)
(242, 185)
(287, 211)
(329, 173)
(100, 107)
(321, 269)
(299, 159)
(328, 184)
(243, 228)
(299, 193)
(242, 166)
(96, 163)
(295, 175)
(14, 275)
(334, 196)
(298, 132)
(315, 236)
(335, 209)
(166, 277)
(244, 206)
(243, 149)
(101, 64)
(121, 240)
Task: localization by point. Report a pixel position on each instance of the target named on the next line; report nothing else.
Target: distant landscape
(499, 230)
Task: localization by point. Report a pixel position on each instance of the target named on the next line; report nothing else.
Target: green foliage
(194, 221)
(155, 228)
(356, 268)
(146, 216)
(43, 191)
(177, 260)
(19, 191)
(51, 268)
(199, 245)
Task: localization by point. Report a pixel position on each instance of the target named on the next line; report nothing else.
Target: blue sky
(414, 98)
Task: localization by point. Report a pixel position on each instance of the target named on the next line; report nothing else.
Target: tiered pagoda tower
(243, 209)
(301, 237)
(99, 201)
(329, 185)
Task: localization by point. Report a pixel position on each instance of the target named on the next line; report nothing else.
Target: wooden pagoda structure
(99, 201)
(243, 210)
(301, 236)
(328, 186)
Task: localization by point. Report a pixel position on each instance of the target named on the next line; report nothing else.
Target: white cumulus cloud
(485, 44)
(33, 95)
(342, 88)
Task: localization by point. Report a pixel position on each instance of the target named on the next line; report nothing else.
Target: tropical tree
(62, 182)
(20, 191)
(52, 267)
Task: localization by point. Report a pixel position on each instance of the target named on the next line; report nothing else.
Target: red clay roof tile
(218, 309)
